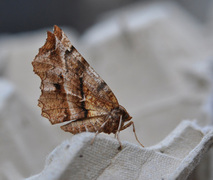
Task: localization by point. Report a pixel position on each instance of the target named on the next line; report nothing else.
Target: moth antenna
(128, 125)
(136, 135)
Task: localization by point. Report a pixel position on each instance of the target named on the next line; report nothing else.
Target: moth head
(125, 114)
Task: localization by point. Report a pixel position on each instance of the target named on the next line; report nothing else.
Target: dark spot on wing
(57, 86)
(101, 86)
(82, 96)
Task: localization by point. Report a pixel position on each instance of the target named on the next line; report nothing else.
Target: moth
(71, 91)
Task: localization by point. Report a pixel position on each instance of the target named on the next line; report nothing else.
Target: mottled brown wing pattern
(71, 89)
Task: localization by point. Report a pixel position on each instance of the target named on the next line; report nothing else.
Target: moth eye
(126, 116)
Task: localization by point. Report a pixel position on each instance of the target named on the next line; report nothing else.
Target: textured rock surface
(174, 158)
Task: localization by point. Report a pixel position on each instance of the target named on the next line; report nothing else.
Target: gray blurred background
(156, 56)
(21, 16)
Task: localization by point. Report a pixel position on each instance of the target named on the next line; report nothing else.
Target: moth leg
(119, 128)
(98, 131)
(129, 124)
(117, 133)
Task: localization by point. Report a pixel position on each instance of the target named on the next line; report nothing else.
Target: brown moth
(71, 91)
